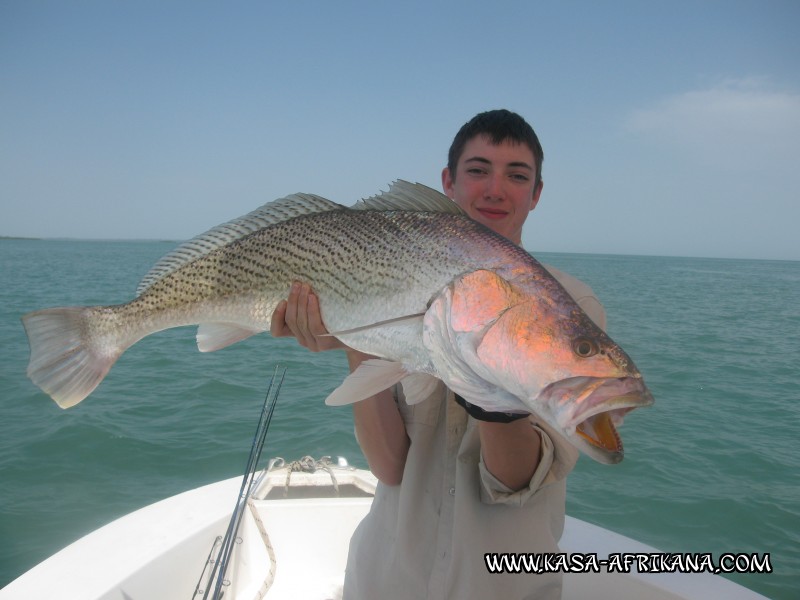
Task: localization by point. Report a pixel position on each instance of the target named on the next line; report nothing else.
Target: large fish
(405, 276)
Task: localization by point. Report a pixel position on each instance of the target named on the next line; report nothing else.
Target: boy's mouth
(492, 213)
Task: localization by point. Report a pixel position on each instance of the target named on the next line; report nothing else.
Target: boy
(457, 482)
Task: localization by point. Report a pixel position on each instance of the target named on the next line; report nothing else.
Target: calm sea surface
(713, 466)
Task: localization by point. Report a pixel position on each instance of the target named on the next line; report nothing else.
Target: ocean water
(713, 466)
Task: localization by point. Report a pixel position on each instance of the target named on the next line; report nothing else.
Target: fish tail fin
(66, 361)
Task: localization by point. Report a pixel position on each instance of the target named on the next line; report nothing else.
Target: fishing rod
(227, 542)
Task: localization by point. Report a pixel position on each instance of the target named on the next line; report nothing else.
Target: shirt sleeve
(493, 491)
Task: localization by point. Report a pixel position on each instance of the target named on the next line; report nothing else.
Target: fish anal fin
(214, 336)
(371, 377)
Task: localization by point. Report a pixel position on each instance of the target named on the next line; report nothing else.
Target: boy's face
(494, 184)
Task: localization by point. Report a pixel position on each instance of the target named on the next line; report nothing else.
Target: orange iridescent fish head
(515, 351)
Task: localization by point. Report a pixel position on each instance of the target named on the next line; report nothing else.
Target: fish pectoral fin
(375, 325)
(371, 377)
(213, 336)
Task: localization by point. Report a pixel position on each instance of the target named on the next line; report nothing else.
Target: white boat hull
(158, 552)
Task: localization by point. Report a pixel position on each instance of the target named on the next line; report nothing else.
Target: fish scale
(386, 272)
(357, 262)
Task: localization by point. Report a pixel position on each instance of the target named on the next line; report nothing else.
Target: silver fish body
(385, 271)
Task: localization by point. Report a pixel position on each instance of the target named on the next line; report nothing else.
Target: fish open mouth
(600, 431)
(593, 408)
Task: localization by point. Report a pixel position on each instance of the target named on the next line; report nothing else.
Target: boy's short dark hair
(499, 126)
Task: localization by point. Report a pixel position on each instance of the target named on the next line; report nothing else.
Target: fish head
(588, 410)
(566, 370)
(550, 358)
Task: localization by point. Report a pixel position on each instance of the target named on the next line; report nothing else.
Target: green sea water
(713, 466)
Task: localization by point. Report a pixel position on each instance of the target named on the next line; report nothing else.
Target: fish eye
(584, 347)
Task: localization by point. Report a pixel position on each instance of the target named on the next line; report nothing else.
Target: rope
(307, 464)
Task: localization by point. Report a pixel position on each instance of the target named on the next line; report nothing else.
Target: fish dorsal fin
(270, 213)
(403, 195)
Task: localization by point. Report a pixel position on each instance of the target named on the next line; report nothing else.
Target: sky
(669, 128)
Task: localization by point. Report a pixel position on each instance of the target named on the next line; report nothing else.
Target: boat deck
(159, 551)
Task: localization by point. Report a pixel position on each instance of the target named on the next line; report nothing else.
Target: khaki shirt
(426, 538)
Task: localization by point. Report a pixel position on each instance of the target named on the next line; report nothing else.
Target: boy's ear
(447, 183)
(537, 192)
